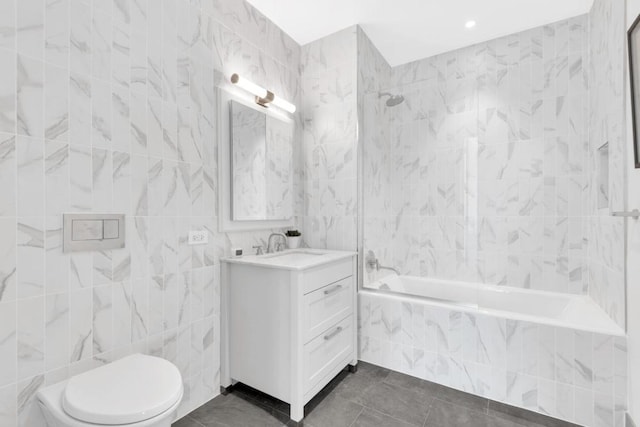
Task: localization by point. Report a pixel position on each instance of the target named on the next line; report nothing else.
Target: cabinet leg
(353, 368)
(226, 390)
(297, 413)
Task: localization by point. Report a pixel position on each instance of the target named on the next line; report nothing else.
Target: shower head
(393, 99)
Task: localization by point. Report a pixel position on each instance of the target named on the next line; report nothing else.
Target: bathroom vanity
(289, 322)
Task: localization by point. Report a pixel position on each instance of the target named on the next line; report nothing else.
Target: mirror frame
(224, 164)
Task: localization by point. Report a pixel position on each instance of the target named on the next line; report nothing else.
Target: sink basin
(292, 259)
(294, 256)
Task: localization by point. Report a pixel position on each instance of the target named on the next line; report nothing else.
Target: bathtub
(547, 352)
(549, 308)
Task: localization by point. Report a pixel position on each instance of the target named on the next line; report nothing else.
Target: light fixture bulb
(285, 105)
(249, 86)
(263, 96)
(470, 24)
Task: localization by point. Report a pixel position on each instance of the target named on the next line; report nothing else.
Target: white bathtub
(549, 308)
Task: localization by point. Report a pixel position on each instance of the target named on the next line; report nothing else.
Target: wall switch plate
(198, 237)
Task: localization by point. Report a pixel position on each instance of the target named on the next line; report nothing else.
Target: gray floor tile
(524, 417)
(427, 388)
(333, 411)
(233, 411)
(250, 393)
(397, 402)
(372, 418)
(186, 421)
(352, 386)
(370, 370)
(461, 398)
(372, 397)
(445, 414)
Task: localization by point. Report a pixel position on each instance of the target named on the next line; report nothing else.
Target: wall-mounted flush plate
(92, 232)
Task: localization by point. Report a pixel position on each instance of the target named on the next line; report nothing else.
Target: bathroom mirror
(256, 174)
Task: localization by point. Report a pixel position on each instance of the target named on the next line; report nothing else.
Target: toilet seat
(126, 391)
(137, 390)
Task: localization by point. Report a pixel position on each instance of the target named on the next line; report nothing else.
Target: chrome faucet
(278, 246)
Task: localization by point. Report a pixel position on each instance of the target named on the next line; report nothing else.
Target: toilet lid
(129, 390)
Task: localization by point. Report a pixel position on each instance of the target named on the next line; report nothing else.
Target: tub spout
(373, 263)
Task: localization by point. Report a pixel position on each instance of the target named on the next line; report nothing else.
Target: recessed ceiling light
(470, 24)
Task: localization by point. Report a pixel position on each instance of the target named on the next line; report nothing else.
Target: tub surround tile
(554, 371)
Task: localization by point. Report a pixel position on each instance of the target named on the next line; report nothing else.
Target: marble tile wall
(569, 374)
(329, 81)
(480, 174)
(606, 234)
(109, 106)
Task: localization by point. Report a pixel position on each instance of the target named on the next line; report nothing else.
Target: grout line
(424, 424)
(390, 416)
(429, 411)
(358, 416)
(195, 420)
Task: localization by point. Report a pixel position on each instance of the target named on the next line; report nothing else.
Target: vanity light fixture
(263, 96)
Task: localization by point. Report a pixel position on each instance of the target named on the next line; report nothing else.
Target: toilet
(135, 391)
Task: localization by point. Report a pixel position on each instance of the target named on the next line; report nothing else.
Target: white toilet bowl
(136, 391)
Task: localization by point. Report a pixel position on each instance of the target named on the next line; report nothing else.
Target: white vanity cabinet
(289, 322)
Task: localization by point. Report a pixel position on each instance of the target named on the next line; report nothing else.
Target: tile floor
(372, 397)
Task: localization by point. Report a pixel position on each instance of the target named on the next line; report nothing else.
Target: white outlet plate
(198, 237)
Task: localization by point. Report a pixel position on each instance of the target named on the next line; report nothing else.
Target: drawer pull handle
(332, 290)
(333, 334)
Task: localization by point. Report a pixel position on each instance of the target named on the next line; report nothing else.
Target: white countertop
(292, 259)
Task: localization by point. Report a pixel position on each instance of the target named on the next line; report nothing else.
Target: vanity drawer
(323, 353)
(326, 306)
(326, 274)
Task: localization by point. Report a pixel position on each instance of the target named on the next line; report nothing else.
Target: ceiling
(408, 30)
